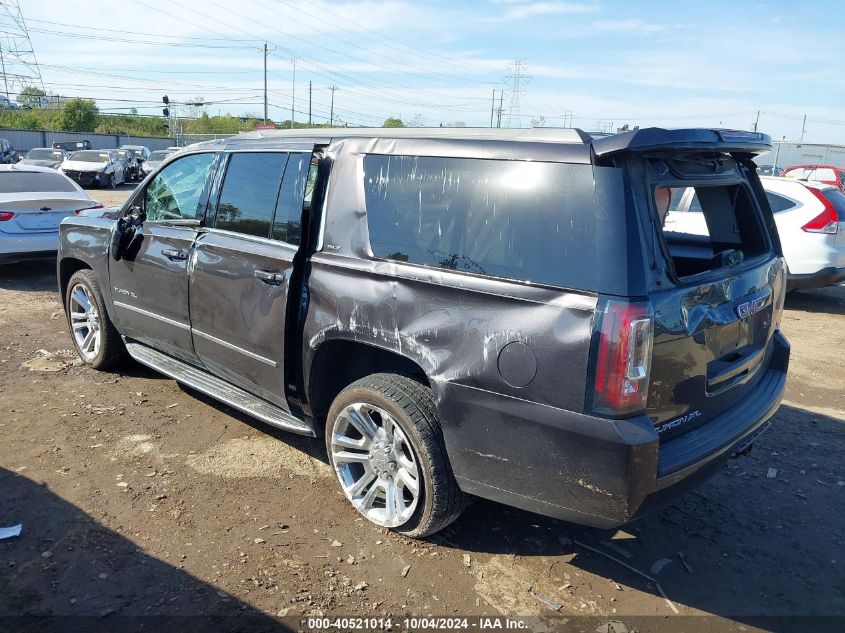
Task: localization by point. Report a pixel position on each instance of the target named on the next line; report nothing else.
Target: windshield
(28, 181)
(159, 156)
(90, 156)
(139, 153)
(44, 154)
(123, 153)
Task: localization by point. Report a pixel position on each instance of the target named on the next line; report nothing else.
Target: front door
(241, 269)
(150, 288)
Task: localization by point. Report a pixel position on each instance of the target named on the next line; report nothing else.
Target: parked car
(73, 146)
(141, 154)
(154, 160)
(810, 218)
(95, 168)
(45, 157)
(33, 200)
(487, 312)
(131, 166)
(8, 154)
(827, 174)
(769, 170)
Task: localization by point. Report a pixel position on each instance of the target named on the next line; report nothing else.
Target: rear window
(712, 226)
(24, 182)
(500, 218)
(837, 199)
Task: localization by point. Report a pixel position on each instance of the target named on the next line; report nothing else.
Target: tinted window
(175, 192)
(508, 219)
(44, 154)
(837, 199)
(249, 193)
(287, 224)
(161, 155)
(779, 203)
(20, 182)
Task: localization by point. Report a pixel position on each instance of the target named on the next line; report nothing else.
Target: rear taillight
(622, 358)
(6, 215)
(825, 222)
(78, 211)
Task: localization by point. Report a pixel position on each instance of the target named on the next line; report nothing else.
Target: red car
(827, 174)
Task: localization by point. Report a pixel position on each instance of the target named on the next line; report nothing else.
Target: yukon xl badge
(750, 307)
(673, 424)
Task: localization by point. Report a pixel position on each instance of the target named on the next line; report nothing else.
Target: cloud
(522, 10)
(631, 26)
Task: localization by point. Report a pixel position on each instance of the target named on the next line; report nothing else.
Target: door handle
(174, 255)
(269, 277)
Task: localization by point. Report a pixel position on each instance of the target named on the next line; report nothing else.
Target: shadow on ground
(830, 300)
(37, 275)
(66, 572)
(756, 545)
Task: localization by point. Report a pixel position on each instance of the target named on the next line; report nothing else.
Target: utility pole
(803, 129)
(292, 91)
(757, 120)
(501, 98)
(265, 83)
(492, 107)
(309, 104)
(5, 80)
(331, 111)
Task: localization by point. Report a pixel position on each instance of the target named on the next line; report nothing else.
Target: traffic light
(166, 101)
(165, 111)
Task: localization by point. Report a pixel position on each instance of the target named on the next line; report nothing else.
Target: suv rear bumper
(588, 470)
(824, 277)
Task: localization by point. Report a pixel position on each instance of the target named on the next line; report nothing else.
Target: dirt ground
(139, 497)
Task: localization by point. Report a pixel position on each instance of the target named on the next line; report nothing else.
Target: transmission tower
(518, 78)
(17, 57)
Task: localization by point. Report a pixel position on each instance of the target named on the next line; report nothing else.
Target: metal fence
(25, 140)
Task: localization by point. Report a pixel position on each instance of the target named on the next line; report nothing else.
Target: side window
(491, 217)
(250, 189)
(779, 203)
(287, 223)
(174, 194)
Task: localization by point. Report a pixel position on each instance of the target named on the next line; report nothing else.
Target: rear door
(241, 267)
(150, 288)
(718, 303)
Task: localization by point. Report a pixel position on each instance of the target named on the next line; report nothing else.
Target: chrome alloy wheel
(85, 321)
(375, 464)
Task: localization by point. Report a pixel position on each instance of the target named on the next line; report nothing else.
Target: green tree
(393, 122)
(30, 96)
(79, 115)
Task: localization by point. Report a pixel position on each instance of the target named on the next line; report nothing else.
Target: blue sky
(591, 64)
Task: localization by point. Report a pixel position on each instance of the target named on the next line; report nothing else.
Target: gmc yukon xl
(496, 313)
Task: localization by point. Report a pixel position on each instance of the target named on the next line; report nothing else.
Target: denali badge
(750, 307)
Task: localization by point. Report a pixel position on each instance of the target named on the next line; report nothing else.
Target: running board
(218, 389)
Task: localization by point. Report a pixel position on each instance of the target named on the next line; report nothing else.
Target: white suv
(810, 218)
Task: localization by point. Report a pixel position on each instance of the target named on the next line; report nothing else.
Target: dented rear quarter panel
(507, 360)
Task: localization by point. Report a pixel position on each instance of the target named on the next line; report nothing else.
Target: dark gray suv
(488, 312)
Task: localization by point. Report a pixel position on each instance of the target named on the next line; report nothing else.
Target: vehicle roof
(602, 144)
(133, 147)
(27, 168)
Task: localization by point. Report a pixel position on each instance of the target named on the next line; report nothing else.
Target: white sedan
(810, 218)
(33, 201)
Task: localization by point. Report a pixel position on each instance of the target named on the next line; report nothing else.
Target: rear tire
(87, 315)
(401, 453)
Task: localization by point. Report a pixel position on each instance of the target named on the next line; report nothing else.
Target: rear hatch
(717, 277)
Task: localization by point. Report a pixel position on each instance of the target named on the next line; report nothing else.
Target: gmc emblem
(750, 307)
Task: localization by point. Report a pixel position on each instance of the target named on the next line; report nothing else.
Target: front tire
(386, 447)
(95, 339)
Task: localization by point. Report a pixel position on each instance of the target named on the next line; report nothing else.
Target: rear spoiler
(655, 138)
